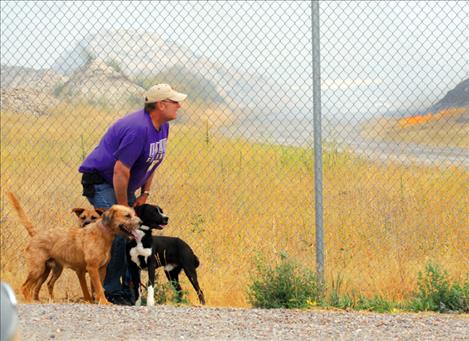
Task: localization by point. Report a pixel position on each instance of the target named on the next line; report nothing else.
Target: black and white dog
(151, 252)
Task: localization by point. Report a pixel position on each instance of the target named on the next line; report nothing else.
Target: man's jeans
(117, 267)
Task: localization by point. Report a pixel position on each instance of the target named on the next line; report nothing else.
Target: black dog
(151, 252)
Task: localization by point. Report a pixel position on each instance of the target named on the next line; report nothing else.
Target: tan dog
(51, 264)
(81, 249)
(87, 216)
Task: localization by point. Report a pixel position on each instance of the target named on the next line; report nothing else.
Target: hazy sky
(378, 56)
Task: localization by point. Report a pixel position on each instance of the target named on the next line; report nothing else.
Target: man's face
(169, 109)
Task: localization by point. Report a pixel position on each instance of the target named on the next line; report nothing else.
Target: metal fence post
(317, 142)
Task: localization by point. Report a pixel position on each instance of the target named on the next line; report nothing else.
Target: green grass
(289, 284)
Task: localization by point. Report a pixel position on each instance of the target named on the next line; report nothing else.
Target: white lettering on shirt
(157, 152)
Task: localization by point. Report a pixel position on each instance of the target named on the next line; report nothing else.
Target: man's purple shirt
(135, 142)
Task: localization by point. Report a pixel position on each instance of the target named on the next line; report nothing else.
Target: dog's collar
(144, 228)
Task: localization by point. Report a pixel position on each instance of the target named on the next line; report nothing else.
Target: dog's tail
(23, 217)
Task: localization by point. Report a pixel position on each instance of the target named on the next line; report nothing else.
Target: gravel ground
(93, 322)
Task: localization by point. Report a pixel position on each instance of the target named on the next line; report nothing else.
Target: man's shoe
(118, 299)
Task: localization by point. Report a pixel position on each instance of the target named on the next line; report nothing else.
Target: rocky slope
(142, 55)
(455, 98)
(97, 82)
(43, 80)
(454, 106)
(28, 91)
(112, 67)
(27, 101)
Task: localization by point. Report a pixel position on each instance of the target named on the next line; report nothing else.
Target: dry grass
(231, 200)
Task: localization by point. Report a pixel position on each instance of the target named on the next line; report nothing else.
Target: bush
(435, 293)
(288, 285)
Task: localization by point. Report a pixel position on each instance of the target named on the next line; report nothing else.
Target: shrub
(435, 293)
(288, 285)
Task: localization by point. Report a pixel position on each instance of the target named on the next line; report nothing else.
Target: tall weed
(287, 285)
(436, 293)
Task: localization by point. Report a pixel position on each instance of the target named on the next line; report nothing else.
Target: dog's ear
(100, 211)
(78, 211)
(107, 216)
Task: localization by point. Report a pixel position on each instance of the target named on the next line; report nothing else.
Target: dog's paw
(138, 303)
(104, 301)
(150, 302)
(150, 297)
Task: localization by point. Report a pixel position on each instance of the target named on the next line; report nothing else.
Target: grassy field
(232, 200)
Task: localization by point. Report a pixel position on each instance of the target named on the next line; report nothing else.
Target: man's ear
(159, 105)
(100, 211)
(78, 211)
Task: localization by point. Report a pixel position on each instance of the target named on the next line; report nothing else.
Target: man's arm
(145, 188)
(120, 181)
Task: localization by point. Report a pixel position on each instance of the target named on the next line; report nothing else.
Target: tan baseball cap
(161, 92)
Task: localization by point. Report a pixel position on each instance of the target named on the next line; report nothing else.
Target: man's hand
(142, 199)
(145, 192)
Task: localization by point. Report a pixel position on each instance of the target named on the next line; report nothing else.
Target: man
(125, 160)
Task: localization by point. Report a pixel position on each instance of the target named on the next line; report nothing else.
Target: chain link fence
(237, 181)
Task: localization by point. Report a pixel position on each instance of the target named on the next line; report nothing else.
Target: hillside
(98, 83)
(43, 80)
(114, 67)
(455, 98)
(443, 124)
(146, 58)
(453, 108)
(27, 90)
(27, 101)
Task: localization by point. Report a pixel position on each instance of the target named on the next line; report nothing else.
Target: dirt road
(93, 322)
